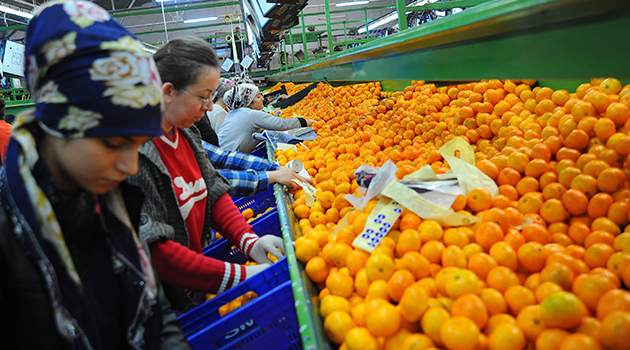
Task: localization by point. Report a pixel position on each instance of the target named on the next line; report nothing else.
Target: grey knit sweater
(161, 217)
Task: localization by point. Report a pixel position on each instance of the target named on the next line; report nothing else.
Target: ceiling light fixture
(390, 17)
(352, 3)
(379, 22)
(15, 12)
(202, 19)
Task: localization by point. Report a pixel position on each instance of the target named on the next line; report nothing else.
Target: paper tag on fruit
(378, 224)
(342, 223)
(286, 146)
(424, 208)
(310, 192)
(464, 168)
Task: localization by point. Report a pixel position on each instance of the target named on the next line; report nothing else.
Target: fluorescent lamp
(203, 19)
(15, 12)
(380, 22)
(151, 51)
(352, 3)
(390, 17)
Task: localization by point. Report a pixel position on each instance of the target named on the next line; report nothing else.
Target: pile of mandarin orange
(546, 268)
(291, 88)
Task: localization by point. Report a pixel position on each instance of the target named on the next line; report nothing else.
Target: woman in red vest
(186, 195)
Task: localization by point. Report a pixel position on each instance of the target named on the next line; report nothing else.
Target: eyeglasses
(207, 102)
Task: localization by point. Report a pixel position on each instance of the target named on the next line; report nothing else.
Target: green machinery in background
(559, 42)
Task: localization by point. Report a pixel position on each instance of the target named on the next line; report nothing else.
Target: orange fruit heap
(236, 303)
(291, 88)
(548, 265)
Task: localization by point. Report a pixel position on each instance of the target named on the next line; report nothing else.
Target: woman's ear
(169, 91)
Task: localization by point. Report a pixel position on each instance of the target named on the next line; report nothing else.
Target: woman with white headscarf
(219, 109)
(246, 118)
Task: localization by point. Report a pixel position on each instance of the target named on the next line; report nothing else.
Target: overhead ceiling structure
(157, 21)
(144, 18)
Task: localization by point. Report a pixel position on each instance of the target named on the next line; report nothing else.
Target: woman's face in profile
(92, 164)
(186, 107)
(257, 104)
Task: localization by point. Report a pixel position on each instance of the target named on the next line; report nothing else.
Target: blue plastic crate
(267, 322)
(223, 250)
(208, 312)
(260, 152)
(258, 202)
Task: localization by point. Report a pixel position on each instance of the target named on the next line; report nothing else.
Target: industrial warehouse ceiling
(145, 18)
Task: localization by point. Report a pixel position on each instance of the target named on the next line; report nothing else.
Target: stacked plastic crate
(269, 320)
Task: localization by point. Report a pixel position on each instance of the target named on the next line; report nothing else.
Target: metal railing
(288, 42)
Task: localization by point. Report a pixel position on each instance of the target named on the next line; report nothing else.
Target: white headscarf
(240, 96)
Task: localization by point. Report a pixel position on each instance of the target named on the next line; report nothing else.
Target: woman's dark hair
(181, 60)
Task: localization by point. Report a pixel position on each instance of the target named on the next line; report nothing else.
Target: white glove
(254, 269)
(266, 244)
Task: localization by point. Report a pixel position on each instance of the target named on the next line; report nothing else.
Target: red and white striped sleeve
(181, 266)
(233, 274)
(228, 220)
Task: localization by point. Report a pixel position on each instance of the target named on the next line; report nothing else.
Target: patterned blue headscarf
(88, 75)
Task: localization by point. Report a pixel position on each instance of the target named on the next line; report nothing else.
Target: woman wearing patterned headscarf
(246, 118)
(75, 274)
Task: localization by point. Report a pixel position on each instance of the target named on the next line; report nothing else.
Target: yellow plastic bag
(394, 192)
(463, 168)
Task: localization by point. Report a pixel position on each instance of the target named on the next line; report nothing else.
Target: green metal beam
(292, 49)
(263, 73)
(351, 10)
(17, 107)
(304, 291)
(328, 27)
(313, 36)
(185, 28)
(350, 21)
(402, 16)
(342, 22)
(309, 36)
(358, 41)
(535, 39)
(16, 27)
(203, 37)
(173, 9)
(304, 42)
(447, 5)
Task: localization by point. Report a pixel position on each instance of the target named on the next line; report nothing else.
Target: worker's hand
(266, 244)
(254, 269)
(310, 121)
(284, 176)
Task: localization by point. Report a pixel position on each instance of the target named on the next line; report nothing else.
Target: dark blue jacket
(31, 290)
